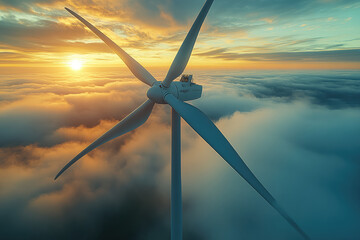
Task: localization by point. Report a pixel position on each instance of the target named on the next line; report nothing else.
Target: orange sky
(42, 33)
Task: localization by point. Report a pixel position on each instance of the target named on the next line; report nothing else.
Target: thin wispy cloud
(352, 55)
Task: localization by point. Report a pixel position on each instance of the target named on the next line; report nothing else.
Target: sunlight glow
(75, 64)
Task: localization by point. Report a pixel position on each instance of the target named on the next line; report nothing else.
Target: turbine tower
(174, 94)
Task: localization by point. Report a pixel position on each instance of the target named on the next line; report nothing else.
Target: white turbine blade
(212, 135)
(139, 71)
(129, 123)
(182, 57)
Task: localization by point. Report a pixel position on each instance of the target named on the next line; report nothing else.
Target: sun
(75, 64)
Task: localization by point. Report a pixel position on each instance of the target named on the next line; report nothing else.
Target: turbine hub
(157, 92)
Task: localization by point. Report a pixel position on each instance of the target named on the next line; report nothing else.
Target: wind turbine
(174, 94)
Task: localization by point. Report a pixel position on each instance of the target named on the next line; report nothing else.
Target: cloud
(51, 203)
(23, 5)
(46, 36)
(246, 91)
(351, 55)
(41, 107)
(298, 137)
(313, 171)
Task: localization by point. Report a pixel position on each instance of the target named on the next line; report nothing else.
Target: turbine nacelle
(184, 90)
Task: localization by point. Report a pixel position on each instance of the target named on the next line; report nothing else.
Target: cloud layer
(298, 132)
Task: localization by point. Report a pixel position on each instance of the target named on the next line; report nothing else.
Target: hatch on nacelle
(186, 88)
(186, 78)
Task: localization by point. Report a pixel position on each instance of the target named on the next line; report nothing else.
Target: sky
(280, 79)
(248, 34)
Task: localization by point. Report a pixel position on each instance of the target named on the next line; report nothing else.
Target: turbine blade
(129, 123)
(139, 71)
(212, 135)
(182, 57)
